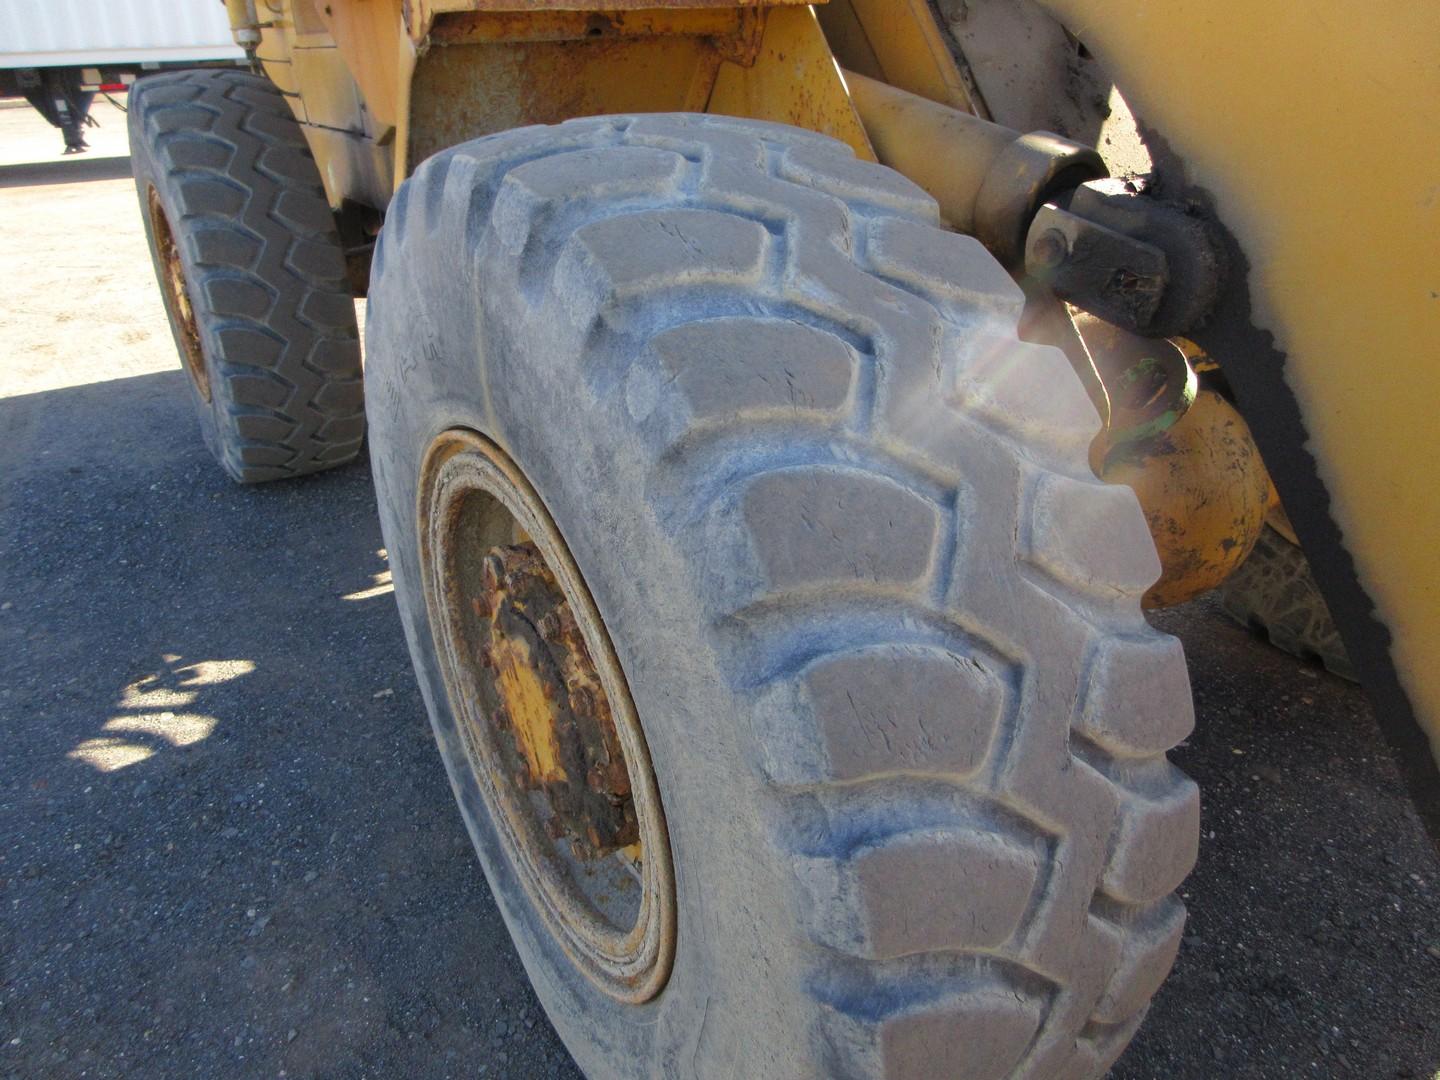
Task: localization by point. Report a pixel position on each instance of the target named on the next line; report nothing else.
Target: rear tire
(880, 623)
(1274, 594)
(251, 270)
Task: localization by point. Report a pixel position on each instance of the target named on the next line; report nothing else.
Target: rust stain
(172, 282)
(471, 88)
(515, 27)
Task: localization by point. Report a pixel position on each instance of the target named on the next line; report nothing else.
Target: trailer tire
(880, 623)
(251, 270)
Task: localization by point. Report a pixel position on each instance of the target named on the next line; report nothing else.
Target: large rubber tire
(277, 385)
(1274, 594)
(881, 624)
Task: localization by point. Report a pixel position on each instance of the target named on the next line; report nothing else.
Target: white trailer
(94, 33)
(58, 53)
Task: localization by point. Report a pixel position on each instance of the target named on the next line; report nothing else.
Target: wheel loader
(782, 417)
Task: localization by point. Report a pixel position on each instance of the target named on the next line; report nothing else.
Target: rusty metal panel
(434, 7)
(464, 91)
(496, 26)
(442, 71)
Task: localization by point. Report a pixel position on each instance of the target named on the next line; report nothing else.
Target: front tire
(880, 623)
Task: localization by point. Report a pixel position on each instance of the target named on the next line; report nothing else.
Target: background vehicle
(58, 56)
(785, 651)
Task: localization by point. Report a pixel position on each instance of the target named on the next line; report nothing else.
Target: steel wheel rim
(177, 296)
(469, 490)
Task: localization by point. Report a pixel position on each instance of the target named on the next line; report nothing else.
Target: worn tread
(907, 510)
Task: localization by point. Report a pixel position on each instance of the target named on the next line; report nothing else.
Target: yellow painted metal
(352, 167)
(369, 34)
(487, 71)
(330, 97)
(548, 63)
(274, 55)
(1205, 493)
(426, 74)
(1314, 127)
(793, 79)
(897, 42)
(946, 151)
(531, 710)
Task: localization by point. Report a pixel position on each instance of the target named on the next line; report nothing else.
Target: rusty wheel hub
(546, 698)
(177, 296)
(551, 735)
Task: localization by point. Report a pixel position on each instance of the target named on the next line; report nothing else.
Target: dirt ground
(227, 848)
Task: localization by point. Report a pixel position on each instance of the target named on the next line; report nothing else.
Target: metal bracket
(1120, 279)
(1143, 264)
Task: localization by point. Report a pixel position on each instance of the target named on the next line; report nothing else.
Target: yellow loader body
(1306, 131)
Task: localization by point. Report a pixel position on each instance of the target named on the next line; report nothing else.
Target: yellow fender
(1309, 130)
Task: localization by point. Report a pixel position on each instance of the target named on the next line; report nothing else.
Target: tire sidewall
(730, 985)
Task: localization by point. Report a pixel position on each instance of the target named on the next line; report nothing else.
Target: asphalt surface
(227, 847)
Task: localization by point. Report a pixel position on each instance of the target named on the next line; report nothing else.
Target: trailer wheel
(251, 270)
(785, 657)
(1274, 594)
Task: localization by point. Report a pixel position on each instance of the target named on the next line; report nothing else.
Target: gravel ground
(227, 848)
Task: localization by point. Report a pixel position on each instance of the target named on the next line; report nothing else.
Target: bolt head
(1049, 249)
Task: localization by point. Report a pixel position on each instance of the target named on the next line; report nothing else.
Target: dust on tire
(881, 624)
